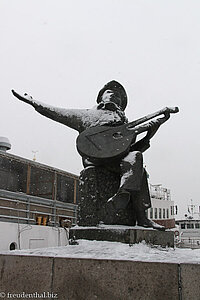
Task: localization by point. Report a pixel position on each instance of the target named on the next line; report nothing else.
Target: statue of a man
(112, 101)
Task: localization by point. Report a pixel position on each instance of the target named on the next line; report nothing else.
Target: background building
(163, 210)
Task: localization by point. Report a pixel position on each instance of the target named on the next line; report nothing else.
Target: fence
(22, 208)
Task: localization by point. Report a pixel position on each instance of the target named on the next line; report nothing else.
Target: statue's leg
(141, 202)
(134, 188)
(131, 177)
(132, 171)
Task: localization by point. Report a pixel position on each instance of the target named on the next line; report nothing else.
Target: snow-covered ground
(117, 251)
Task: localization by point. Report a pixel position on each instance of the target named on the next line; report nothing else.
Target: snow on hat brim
(114, 85)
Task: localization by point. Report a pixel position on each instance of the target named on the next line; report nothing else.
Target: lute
(108, 143)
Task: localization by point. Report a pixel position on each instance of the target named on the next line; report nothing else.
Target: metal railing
(33, 206)
(193, 243)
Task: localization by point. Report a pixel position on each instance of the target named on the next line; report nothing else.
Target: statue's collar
(108, 106)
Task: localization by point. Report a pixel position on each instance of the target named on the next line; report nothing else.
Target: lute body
(105, 142)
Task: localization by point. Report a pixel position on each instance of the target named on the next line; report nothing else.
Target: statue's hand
(25, 98)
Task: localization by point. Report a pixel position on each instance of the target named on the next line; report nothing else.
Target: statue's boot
(141, 218)
(120, 200)
(145, 222)
(120, 206)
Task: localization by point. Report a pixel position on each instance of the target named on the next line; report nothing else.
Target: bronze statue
(107, 139)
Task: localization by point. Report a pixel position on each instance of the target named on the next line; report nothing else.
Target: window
(171, 208)
(13, 174)
(163, 213)
(160, 213)
(13, 246)
(197, 225)
(156, 213)
(151, 213)
(190, 225)
(41, 183)
(167, 213)
(183, 226)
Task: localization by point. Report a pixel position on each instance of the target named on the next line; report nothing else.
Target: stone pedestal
(97, 185)
(124, 234)
(108, 279)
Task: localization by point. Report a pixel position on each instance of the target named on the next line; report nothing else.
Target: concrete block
(27, 274)
(154, 237)
(80, 279)
(129, 235)
(101, 234)
(190, 281)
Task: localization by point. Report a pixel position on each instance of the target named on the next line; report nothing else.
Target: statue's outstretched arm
(69, 117)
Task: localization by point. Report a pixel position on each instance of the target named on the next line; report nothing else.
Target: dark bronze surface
(114, 187)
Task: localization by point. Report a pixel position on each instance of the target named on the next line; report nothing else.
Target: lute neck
(165, 110)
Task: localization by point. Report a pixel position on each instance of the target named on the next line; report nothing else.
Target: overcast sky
(63, 52)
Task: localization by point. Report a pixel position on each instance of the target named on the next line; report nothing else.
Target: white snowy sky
(63, 52)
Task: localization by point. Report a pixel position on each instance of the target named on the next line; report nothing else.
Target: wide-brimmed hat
(114, 86)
